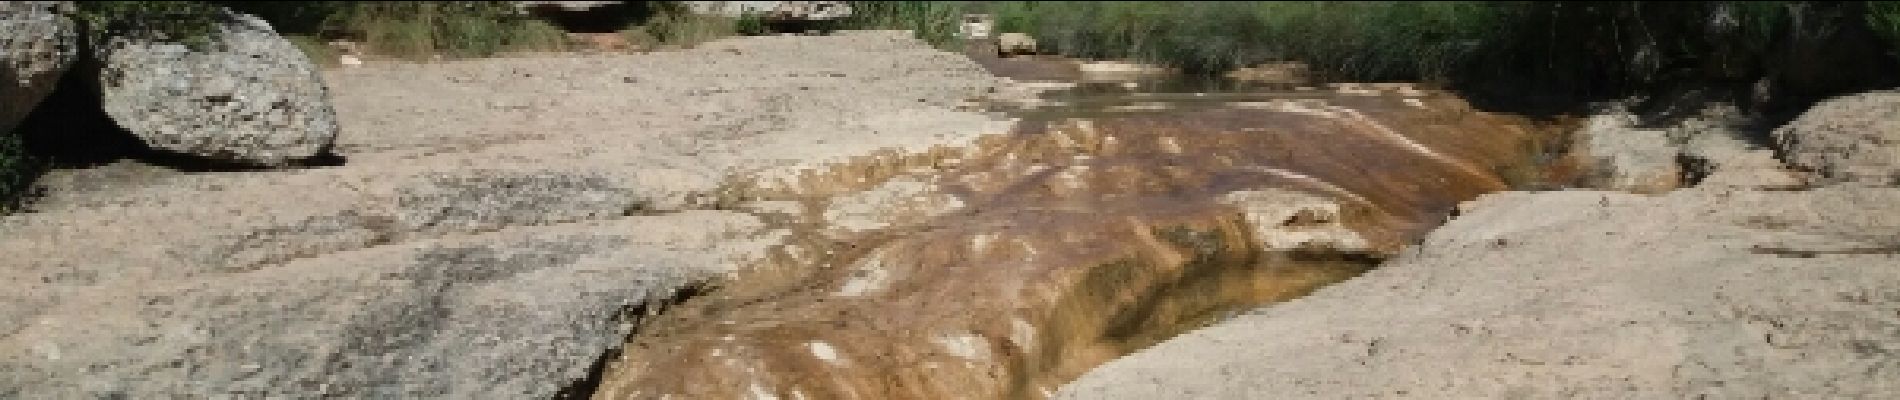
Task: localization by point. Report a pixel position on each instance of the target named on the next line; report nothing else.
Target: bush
(457, 29)
(936, 22)
(1357, 39)
(191, 23)
(1884, 17)
(674, 25)
(1567, 48)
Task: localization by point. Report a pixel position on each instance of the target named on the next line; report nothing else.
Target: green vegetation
(17, 169)
(671, 24)
(402, 29)
(936, 22)
(1567, 46)
(413, 30)
(191, 23)
(1884, 17)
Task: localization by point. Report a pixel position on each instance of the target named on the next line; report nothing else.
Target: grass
(676, 26)
(936, 22)
(418, 30)
(311, 46)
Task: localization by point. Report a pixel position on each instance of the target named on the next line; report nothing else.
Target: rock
(1289, 220)
(1620, 156)
(464, 251)
(249, 97)
(513, 314)
(1015, 43)
(903, 201)
(1847, 140)
(1294, 73)
(1576, 294)
(37, 42)
(1723, 160)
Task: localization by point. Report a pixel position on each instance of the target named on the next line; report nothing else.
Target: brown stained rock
(1577, 294)
(1078, 242)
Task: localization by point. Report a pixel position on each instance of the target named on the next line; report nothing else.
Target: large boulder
(37, 43)
(248, 96)
(1847, 140)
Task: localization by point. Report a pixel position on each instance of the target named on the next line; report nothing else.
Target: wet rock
(1847, 140)
(249, 96)
(902, 201)
(1285, 220)
(1576, 294)
(38, 41)
(1079, 240)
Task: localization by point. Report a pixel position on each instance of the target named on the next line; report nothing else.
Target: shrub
(936, 22)
(191, 23)
(17, 169)
(456, 29)
(1884, 17)
(675, 25)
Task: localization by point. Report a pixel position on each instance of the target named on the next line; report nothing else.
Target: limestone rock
(1623, 157)
(1847, 140)
(902, 201)
(250, 96)
(1015, 43)
(1719, 158)
(37, 42)
(1288, 220)
(511, 314)
(1576, 294)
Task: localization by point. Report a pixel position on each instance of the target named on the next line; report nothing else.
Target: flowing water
(1114, 216)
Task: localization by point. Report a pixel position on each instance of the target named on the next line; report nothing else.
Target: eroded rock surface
(38, 41)
(1719, 293)
(1852, 139)
(494, 231)
(248, 96)
(1076, 241)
